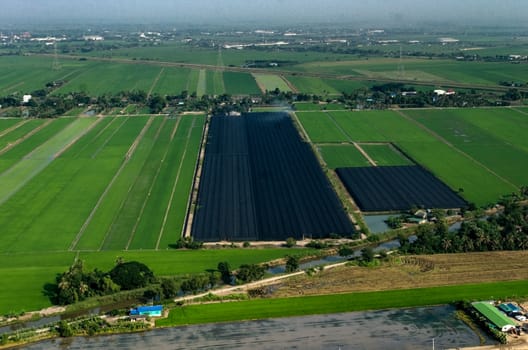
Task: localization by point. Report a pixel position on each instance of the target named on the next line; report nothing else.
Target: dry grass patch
(412, 272)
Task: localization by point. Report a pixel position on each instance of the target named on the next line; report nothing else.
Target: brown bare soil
(411, 272)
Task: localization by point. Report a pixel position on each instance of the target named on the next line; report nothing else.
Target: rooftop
(493, 314)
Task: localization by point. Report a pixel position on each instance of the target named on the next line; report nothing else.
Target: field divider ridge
(259, 84)
(446, 84)
(25, 137)
(193, 194)
(155, 82)
(128, 156)
(99, 134)
(140, 216)
(108, 187)
(37, 160)
(103, 145)
(290, 84)
(72, 142)
(174, 185)
(14, 127)
(356, 145)
(449, 144)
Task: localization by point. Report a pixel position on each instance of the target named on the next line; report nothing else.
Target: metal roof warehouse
(494, 315)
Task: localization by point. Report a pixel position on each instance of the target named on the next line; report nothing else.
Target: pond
(413, 328)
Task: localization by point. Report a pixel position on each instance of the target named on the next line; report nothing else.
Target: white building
(93, 38)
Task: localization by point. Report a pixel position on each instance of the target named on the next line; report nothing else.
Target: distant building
(26, 98)
(93, 38)
(440, 92)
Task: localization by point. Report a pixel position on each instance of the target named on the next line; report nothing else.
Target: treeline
(397, 94)
(45, 103)
(507, 230)
(79, 283)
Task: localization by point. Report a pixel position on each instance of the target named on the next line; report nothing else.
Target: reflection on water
(387, 329)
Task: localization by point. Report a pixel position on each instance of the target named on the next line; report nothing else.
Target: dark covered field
(261, 182)
(390, 188)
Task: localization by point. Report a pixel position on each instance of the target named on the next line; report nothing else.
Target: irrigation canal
(386, 329)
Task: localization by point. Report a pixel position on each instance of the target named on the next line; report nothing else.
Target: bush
(64, 329)
(317, 244)
(292, 263)
(290, 242)
(132, 275)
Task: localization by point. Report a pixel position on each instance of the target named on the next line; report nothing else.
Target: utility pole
(56, 64)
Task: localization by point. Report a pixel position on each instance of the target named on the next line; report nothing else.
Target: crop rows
(94, 184)
(251, 187)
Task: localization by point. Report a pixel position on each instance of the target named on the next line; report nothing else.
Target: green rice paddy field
(481, 151)
(92, 184)
(98, 189)
(24, 275)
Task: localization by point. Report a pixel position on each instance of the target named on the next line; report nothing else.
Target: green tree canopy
(132, 275)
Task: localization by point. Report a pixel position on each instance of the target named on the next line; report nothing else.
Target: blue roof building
(153, 311)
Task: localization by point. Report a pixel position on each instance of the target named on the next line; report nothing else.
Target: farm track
(169, 205)
(449, 144)
(25, 137)
(446, 84)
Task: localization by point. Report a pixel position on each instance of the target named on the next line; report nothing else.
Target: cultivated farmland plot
(260, 182)
(270, 82)
(478, 176)
(95, 183)
(397, 188)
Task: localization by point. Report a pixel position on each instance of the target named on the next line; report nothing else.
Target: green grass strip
(19, 174)
(172, 230)
(201, 83)
(14, 155)
(326, 304)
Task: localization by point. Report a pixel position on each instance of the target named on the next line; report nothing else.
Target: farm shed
(494, 315)
(153, 311)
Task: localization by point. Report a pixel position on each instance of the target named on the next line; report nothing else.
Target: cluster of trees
(391, 94)
(507, 230)
(78, 283)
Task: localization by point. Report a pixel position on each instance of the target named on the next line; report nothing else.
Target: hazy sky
(228, 11)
